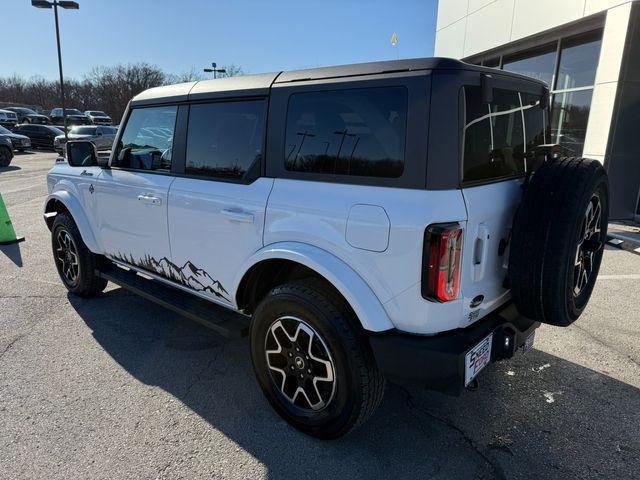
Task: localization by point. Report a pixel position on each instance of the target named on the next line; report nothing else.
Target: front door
(216, 210)
(132, 195)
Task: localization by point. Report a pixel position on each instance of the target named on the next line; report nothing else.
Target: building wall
(468, 28)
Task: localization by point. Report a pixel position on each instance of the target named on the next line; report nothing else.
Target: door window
(225, 139)
(347, 132)
(147, 140)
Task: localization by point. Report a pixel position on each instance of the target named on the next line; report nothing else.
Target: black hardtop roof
(258, 85)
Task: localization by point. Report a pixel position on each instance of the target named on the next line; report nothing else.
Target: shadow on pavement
(535, 416)
(13, 253)
(10, 168)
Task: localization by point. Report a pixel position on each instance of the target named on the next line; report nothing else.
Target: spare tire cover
(558, 240)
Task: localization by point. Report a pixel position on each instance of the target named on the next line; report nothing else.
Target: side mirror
(81, 153)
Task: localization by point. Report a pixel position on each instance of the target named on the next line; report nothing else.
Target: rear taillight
(441, 262)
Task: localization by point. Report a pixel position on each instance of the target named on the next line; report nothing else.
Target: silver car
(98, 117)
(102, 136)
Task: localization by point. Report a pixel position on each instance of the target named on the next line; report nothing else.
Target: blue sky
(177, 35)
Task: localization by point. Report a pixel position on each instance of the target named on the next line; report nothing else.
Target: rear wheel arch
(291, 261)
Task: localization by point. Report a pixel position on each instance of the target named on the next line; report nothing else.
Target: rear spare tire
(558, 240)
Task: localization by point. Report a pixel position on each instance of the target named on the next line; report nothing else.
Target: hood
(35, 115)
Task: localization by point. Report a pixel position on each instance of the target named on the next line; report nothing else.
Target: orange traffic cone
(7, 234)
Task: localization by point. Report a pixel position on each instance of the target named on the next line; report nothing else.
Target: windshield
(73, 111)
(97, 113)
(4, 131)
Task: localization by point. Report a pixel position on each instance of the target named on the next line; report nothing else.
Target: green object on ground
(7, 234)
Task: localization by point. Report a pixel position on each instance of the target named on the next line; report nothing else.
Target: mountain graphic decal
(188, 275)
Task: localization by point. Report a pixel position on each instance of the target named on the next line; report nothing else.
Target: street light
(215, 69)
(69, 6)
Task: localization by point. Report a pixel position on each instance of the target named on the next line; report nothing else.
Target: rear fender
(353, 288)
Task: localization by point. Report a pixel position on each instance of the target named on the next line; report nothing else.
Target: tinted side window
(494, 134)
(225, 140)
(147, 140)
(347, 132)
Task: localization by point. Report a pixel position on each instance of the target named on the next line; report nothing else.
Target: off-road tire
(359, 386)
(5, 156)
(546, 235)
(88, 284)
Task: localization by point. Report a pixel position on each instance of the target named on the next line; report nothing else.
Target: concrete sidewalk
(624, 235)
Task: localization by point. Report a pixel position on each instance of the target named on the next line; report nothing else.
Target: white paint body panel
(127, 225)
(491, 209)
(217, 226)
(316, 213)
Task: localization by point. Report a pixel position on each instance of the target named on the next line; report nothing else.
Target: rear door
(131, 196)
(497, 149)
(217, 207)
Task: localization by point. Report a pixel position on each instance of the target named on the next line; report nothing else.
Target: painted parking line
(629, 276)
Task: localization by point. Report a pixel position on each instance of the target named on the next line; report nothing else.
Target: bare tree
(103, 88)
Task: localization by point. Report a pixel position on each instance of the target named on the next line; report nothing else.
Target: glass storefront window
(538, 63)
(578, 61)
(569, 117)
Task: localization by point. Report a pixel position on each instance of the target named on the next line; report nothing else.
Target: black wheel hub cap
(590, 242)
(300, 364)
(67, 257)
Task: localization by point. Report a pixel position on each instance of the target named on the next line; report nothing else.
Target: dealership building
(588, 51)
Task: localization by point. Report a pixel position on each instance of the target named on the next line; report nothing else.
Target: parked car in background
(101, 136)
(18, 141)
(74, 117)
(6, 152)
(8, 118)
(28, 115)
(98, 117)
(40, 135)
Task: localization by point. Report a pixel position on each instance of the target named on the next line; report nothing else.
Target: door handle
(237, 215)
(481, 252)
(86, 174)
(149, 199)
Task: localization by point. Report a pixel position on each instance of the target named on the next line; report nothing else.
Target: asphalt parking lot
(116, 387)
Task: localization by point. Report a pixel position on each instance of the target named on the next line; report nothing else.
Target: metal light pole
(215, 69)
(66, 5)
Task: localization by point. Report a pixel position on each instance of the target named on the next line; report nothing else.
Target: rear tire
(558, 240)
(76, 264)
(295, 320)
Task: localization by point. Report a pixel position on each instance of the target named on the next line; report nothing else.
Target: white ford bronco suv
(400, 219)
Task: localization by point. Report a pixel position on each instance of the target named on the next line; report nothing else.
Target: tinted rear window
(359, 132)
(495, 146)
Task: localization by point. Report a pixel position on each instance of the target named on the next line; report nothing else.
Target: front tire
(76, 264)
(313, 361)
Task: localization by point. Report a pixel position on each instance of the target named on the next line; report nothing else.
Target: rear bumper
(439, 361)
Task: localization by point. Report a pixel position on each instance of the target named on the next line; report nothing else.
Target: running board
(222, 320)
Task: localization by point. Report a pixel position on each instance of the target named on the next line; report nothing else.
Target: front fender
(353, 288)
(77, 212)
